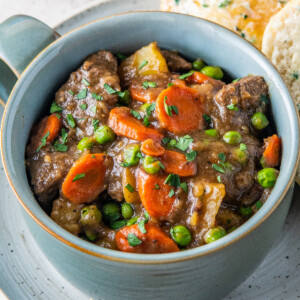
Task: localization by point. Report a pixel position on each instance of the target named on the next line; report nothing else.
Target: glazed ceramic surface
(155, 275)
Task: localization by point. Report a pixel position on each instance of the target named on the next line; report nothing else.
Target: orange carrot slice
(138, 93)
(151, 148)
(154, 194)
(179, 109)
(84, 181)
(272, 151)
(175, 162)
(155, 241)
(198, 78)
(125, 124)
(52, 126)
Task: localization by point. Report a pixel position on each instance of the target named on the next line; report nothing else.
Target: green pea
(213, 72)
(127, 211)
(130, 157)
(126, 99)
(151, 165)
(198, 64)
(246, 211)
(232, 137)
(90, 216)
(85, 143)
(267, 177)
(240, 155)
(259, 121)
(214, 234)
(181, 235)
(111, 211)
(104, 134)
(212, 132)
(132, 221)
(91, 235)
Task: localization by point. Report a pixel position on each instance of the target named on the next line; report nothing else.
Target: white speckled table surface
(276, 278)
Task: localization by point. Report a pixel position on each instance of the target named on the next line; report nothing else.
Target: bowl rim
(118, 256)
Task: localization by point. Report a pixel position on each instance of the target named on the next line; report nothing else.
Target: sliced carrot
(151, 148)
(155, 241)
(184, 100)
(53, 125)
(138, 93)
(198, 78)
(125, 124)
(272, 151)
(154, 194)
(175, 162)
(84, 181)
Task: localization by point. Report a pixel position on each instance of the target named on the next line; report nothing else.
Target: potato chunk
(146, 61)
(129, 178)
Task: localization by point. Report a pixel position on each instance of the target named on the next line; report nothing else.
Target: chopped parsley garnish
(177, 2)
(243, 147)
(172, 193)
(218, 168)
(71, 120)
(93, 156)
(264, 98)
(258, 204)
(117, 224)
(109, 89)
(141, 224)
(161, 165)
(121, 56)
(135, 114)
(165, 140)
(245, 16)
(143, 64)
(205, 5)
(64, 135)
(170, 108)
(129, 187)
(190, 156)
(207, 118)
(55, 108)
(95, 123)
(43, 140)
(133, 240)
(170, 84)
(139, 155)
(94, 109)
(58, 116)
(85, 82)
(146, 121)
(71, 92)
(82, 94)
(184, 186)
(236, 80)
(150, 109)
(147, 84)
(173, 180)
(295, 75)
(83, 106)
(232, 107)
(78, 176)
(222, 156)
(60, 147)
(224, 3)
(132, 221)
(156, 186)
(97, 97)
(184, 76)
(184, 143)
(219, 179)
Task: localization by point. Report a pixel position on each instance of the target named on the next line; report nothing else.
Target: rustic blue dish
(207, 272)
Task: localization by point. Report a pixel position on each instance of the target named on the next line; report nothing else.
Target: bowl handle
(21, 39)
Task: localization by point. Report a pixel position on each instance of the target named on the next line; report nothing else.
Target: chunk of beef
(175, 62)
(246, 96)
(98, 69)
(47, 169)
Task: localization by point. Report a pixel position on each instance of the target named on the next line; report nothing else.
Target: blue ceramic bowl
(207, 272)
